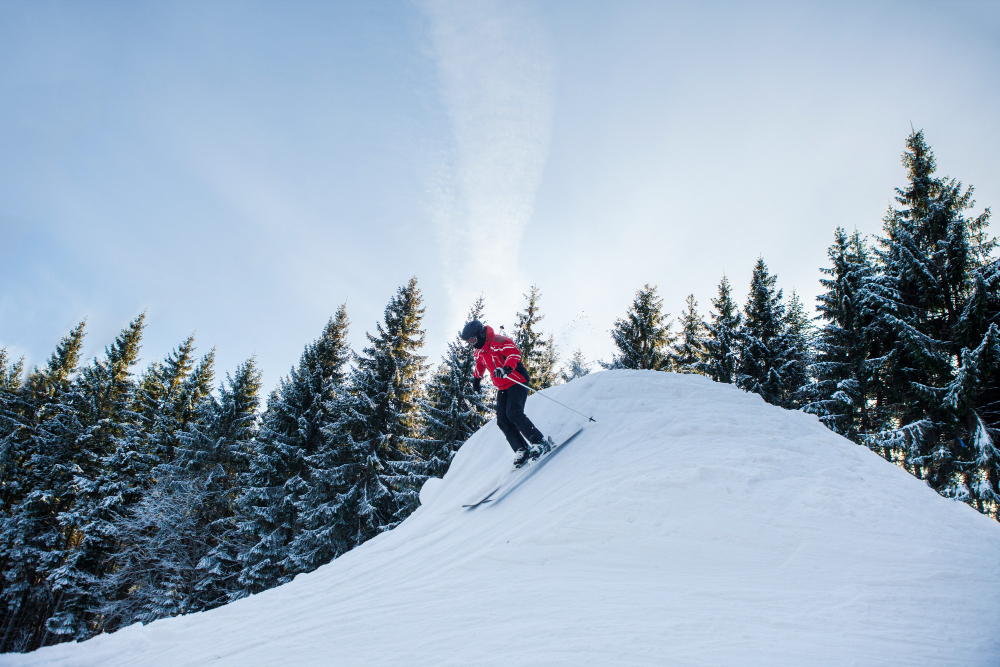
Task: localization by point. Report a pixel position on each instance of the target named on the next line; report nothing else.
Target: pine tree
(316, 541)
(690, 352)
(172, 398)
(769, 343)
(36, 479)
(217, 456)
(172, 393)
(10, 372)
(843, 393)
(798, 336)
(371, 464)
(577, 368)
(99, 481)
(280, 482)
(25, 404)
(12, 452)
(161, 541)
(546, 364)
(973, 396)
(219, 436)
(720, 342)
(538, 353)
(643, 337)
(263, 516)
(56, 377)
(764, 313)
(452, 411)
(14, 446)
(931, 257)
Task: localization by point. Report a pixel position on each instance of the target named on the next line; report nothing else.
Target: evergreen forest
(131, 494)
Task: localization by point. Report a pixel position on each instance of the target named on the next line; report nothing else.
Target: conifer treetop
(643, 337)
(10, 372)
(538, 352)
(62, 365)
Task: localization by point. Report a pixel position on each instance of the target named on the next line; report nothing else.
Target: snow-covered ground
(693, 524)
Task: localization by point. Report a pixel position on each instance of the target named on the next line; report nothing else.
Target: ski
(504, 481)
(532, 469)
(484, 498)
(521, 474)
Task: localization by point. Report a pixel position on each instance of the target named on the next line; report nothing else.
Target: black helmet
(475, 328)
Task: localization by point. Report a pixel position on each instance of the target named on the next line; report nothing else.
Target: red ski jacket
(499, 351)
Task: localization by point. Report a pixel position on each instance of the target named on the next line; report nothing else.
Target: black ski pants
(512, 420)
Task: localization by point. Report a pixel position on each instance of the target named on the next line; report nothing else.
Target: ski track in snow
(693, 524)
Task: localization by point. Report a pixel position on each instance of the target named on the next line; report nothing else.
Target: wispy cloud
(498, 87)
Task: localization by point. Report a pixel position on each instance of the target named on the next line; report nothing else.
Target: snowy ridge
(693, 524)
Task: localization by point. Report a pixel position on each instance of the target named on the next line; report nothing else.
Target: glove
(502, 372)
(477, 384)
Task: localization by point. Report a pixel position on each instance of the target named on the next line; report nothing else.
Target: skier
(500, 356)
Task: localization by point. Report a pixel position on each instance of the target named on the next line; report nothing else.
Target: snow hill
(693, 524)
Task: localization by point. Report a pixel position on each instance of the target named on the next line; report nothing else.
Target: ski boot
(521, 457)
(544, 447)
(540, 448)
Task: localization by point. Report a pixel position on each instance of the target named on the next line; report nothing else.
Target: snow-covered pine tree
(171, 394)
(974, 395)
(643, 337)
(173, 397)
(451, 411)
(547, 364)
(930, 255)
(216, 441)
(770, 360)
(262, 515)
(370, 468)
(690, 353)
(58, 374)
(159, 386)
(843, 391)
(278, 484)
(11, 377)
(97, 421)
(797, 339)
(14, 449)
(316, 540)
(36, 486)
(216, 454)
(578, 367)
(161, 541)
(720, 342)
(24, 404)
(763, 317)
(538, 353)
(12, 453)
(10, 372)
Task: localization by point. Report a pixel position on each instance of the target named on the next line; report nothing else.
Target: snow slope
(693, 524)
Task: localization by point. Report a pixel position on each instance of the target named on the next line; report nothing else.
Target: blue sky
(239, 169)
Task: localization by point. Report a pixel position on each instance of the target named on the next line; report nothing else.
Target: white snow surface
(692, 524)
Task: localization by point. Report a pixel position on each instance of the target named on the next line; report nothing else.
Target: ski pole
(550, 398)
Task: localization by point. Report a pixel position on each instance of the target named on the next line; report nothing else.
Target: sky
(237, 170)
